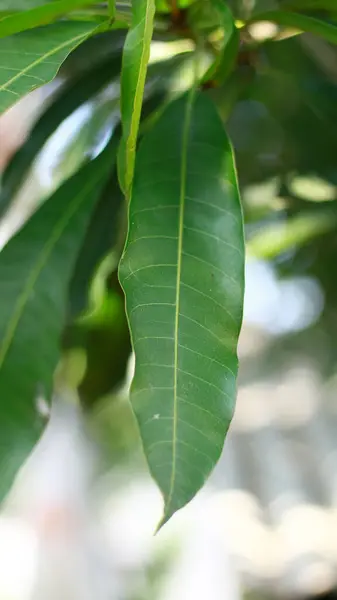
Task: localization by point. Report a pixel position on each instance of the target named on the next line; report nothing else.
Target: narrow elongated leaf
(134, 67)
(328, 31)
(35, 269)
(40, 15)
(182, 273)
(32, 58)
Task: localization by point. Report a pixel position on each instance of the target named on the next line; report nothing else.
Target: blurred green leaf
(40, 15)
(134, 67)
(326, 30)
(225, 61)
(35, 269)
(182, 273)
(32, 58)
(277, 238)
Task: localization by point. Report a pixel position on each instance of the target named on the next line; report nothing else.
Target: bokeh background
(79, 522)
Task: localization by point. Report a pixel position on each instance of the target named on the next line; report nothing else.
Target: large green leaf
(134, 67)
(32, 58)
(40, 15)
(35, 269)
(183, 275)
(326, 30)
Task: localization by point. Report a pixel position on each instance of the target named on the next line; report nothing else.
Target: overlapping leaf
(40, 15)
(35, 269)
(135, 59)
(182, 272)
(32, 58)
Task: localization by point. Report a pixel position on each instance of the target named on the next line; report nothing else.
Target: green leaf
(100, 238)
(32, 58)
(40, 15)
(328, 31)
(225, 62)
(35, 269)
(277, 238)
(183, 275)
(134, 67)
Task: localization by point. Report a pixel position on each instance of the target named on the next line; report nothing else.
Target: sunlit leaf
(35, 269)
(134, 67)
(182, 273)
(326, 30)
(283, 236)
(32, 58)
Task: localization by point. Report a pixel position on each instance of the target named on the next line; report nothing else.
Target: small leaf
(183, 275)
(134, 67)
(35, 269)
(326, 30)
(40, 15)
(32, 58)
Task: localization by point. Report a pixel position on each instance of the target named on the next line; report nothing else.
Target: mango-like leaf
(32, 58)
(40, 15)
(35, 270)
(183, 275)
(327, 31)
(134, 67)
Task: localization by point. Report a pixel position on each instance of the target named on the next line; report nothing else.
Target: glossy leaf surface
(32, 58)
(134, 67)
(35, 269)
(183, 275)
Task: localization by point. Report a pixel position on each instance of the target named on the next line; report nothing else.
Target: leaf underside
(183, 275)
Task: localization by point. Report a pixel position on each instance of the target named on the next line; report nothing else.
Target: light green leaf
(326, 30)
(40, 15)
(134, 67)
(35, 270)
(32, 58)
(183, 275)
(283, 236)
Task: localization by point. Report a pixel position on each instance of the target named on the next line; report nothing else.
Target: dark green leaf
(32, 58)
(35, 269)
(41, 15)
(100, 238)
(135, 60)
(326, 30)
(183, 274)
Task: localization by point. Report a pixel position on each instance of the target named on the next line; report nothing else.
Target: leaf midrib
(182, 198)
(37, 269)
